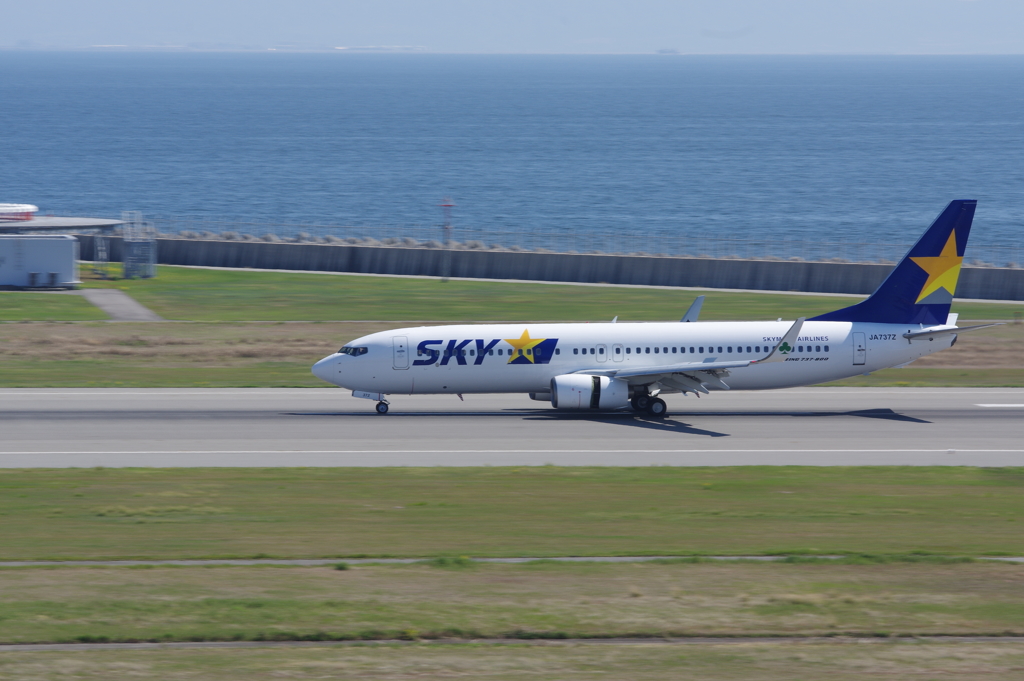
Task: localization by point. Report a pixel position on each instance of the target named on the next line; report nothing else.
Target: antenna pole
(446, 257)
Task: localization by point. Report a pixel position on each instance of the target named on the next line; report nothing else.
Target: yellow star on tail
(943, 271)
(522, 344)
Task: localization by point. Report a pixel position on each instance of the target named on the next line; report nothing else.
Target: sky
(524, 26)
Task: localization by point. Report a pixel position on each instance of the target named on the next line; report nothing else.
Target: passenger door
(602, 353)
(618, 353)
(401, 349)
(860, 348)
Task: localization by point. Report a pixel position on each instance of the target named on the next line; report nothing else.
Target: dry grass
(837, 661)
(510, 601)
(179, 344)
(994, 348)
(170, 354)
(280, 353)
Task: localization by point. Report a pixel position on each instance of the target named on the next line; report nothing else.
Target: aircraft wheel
(640, 402)
(382, 407)
(657, 407)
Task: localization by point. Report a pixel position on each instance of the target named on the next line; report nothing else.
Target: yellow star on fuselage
(943, 271)
(522, 344)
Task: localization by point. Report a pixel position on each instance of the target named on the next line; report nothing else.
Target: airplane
(620, 366)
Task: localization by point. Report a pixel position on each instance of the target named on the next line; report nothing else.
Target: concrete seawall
(768, 275)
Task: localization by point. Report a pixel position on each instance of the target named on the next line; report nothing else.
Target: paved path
(85, 427)
(316, 562)
(119, 305)
(661, 641)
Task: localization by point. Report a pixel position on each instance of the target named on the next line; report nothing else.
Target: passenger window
(500, 351)
(702, 349)
(817, 348)
(592, 351)
(673, 351)
(618, 351)
(647, 350)
(638, 351)
(665, 350)
(472, 353)
(627, 350)
(757, 348)
(655, 350)
(748, 349)
(558, 351)
(729, 349)
(826, 348)
(601, 351)
(691, 349)
(575, 351)
(529, 351)
(719, 349)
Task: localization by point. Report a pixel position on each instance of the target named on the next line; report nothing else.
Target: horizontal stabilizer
(944, 331)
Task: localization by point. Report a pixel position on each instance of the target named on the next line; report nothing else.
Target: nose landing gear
(382, 407)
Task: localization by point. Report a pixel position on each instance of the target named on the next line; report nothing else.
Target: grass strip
(178, 513)
(224, 295)
(524, 602)
(884, 661)
(17, 306)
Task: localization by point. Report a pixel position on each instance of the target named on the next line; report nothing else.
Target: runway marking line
(1012, 406)
(170, 392)
(528, 451)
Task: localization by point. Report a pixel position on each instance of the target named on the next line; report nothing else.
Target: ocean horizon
(666, 147)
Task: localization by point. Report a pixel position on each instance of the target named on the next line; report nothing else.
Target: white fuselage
(479, 359)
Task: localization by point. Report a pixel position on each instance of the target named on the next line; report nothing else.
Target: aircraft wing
(710, 366)
(668, 369)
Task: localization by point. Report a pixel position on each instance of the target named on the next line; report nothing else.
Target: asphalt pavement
(65, 427)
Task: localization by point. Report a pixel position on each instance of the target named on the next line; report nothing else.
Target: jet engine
(580, 391)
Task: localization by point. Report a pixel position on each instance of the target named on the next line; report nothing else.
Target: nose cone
(327, 369)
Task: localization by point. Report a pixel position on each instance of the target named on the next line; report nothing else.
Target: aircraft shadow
(664, 425)
(886, 414)
(636, 420)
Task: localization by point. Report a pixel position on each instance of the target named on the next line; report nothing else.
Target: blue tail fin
(920, 289)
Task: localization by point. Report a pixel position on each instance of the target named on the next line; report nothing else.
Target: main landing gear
(655, 406)
(640, 402)
(382, 407)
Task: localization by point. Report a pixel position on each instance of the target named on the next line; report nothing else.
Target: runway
(89, 427)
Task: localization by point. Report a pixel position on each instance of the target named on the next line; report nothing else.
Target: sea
(632, 150)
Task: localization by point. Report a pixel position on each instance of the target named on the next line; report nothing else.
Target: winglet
(785, 346)
(694, 311)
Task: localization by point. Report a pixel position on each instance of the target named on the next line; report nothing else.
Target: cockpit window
(353, 351)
